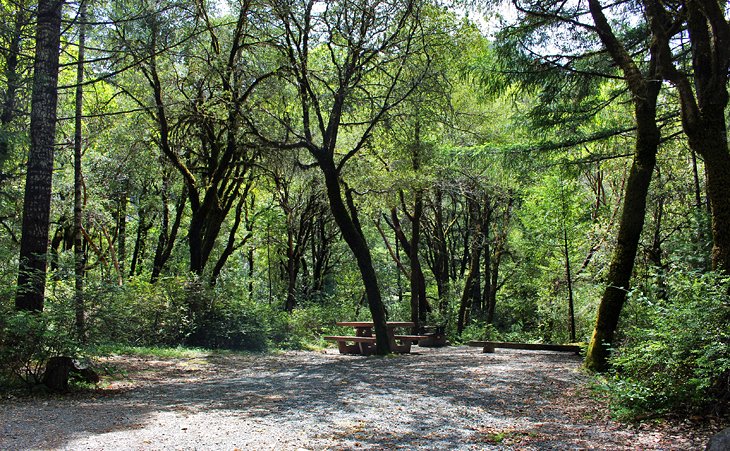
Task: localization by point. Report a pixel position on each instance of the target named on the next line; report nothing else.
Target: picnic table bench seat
(352, 344)
(348, 344)
(410, 337)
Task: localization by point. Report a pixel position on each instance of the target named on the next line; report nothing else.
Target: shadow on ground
(449, 398)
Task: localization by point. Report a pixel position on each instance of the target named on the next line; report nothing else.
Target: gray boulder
(719, 441)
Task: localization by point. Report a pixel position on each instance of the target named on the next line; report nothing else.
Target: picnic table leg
(488, 348)
(348, 349)
(366, 348)
(404, 347)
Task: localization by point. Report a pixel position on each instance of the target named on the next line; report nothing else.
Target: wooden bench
(489, 346)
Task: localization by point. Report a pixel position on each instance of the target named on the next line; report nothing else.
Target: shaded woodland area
(243, 174)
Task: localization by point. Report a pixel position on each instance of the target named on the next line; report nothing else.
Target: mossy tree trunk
(644, 90)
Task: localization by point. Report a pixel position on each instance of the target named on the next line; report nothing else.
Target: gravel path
(436, 399)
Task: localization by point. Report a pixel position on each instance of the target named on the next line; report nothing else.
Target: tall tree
(37, 198)
(703, 96)
(348, 62)
(580, 59)
(17, 18)
(79, 252)
(644, 88)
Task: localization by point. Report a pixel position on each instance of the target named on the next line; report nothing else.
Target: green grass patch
(178, 352)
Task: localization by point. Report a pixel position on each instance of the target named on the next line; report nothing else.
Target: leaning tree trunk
(37, 199)
(645, 91)
(359, 247)
(622, 262)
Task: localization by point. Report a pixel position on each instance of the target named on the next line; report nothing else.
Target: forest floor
(435, 399)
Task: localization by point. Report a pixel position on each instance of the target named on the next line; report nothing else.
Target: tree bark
(418, 302)
(569, 279)
(168, 235)
(471, 285)
(441, 254)
(703, 105)
(12, 79)
(355, 239)
(79, 254)
(645, 91)
(122, 229)
(37, 199)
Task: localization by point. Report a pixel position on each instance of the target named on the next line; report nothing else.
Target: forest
(242, 174)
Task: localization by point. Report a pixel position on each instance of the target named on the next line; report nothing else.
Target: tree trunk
(292, 271)
(441, 254)
(717, 161)
(79, 257)
(487, 294)
(122, 230)
(359, 247)
(703, 105)
(195, 238)
(622, 261)
(249, 220)
(231, 244)
(569, 279)
(420, 281)
(37, 199)
(471, 285)
(12, 80)
(139, 244)
(645, 91)
(168, 235)
(418, 301)
(629, 233)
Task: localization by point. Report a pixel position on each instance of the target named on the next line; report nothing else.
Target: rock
(719, 441)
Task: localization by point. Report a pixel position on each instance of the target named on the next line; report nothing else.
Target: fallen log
(490, 346)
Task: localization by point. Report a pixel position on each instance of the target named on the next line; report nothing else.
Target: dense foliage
(675, 354)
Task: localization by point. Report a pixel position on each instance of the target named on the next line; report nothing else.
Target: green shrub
(138, 313)
(676, 356)
(231, 325)
(27, 341)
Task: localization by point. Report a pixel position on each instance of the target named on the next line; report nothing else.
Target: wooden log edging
(490, 346)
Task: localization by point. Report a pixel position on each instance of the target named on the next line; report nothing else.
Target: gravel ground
(436, 399)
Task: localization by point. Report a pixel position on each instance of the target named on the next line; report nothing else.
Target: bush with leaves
(676, 352)
(28, 340)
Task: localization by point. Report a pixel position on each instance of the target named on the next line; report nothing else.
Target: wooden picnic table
(364, 341)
